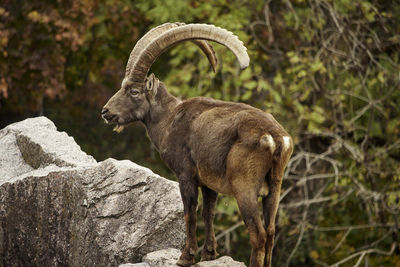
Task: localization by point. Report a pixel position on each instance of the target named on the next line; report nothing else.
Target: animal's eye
(134, 92)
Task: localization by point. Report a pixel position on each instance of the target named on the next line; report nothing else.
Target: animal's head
(130, 103)
(136, 96)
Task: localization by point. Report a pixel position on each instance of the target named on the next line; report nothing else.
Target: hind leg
(247, 202)
(271, 202)
(270, 208)
(246, 176)
(209, 199)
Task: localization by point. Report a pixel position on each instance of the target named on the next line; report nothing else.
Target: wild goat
(224, 147)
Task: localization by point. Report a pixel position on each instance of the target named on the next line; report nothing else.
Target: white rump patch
(286, 143)
(268, 141)
(271, 142)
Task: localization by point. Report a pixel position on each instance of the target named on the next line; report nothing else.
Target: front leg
(209, 199)
(189, 193)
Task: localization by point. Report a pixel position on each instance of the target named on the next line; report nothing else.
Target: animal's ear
(152, 84)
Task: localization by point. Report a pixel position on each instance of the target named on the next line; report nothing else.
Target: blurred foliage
(328, 70)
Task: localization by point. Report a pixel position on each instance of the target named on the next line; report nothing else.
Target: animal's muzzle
(105, 113)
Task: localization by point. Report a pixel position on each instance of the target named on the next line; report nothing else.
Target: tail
(281, 149)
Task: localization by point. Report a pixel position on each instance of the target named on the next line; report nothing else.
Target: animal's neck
(162, 106)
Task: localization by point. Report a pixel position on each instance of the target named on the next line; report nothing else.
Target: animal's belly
(215, 182)
(222, 184)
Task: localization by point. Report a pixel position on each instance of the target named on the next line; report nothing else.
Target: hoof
(208, 255)
(185, 263)
(187, 257)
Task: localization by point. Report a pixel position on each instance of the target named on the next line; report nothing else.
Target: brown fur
(224, 147)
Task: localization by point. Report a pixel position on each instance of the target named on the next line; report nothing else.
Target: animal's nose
(104, 111)
(108, 116)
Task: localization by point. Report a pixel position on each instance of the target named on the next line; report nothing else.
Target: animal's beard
(118, 128)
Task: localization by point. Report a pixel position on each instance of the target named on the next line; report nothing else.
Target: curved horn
(208, 50)
(144, 40)
(179, 34)
(157, 31)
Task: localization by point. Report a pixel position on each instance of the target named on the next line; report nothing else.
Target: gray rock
(221, 262)
(142, 264)
(135, 211)
(58, 206)
(162, 258)
(35, 143)
(169, 257)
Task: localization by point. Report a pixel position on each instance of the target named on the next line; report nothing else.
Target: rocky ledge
(168, 257)
(59, 207)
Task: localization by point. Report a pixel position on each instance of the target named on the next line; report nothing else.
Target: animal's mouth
(119, 125)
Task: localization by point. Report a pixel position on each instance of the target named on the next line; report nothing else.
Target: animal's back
(214, 127)
(218, 124)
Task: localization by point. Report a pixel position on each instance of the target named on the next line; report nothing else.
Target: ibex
(222, 147)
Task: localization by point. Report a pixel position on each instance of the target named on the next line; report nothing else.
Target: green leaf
(313, 127)
(245, 74)
(278, 79)
(381, 77)
(247, 95)
(316, 117)
(251, 84)
(293, 58)
(301, 74)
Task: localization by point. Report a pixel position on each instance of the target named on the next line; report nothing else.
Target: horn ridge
(153, 33)
(173, 36)
(143, 41)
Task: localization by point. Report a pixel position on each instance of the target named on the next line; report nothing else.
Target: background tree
(328, 70)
